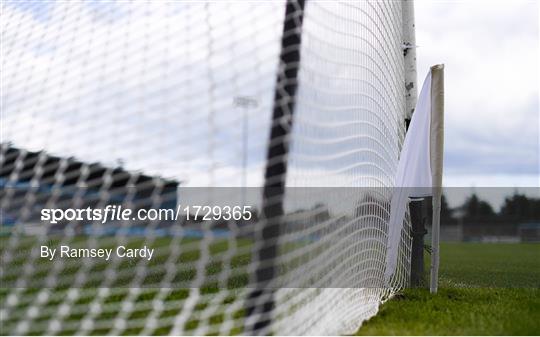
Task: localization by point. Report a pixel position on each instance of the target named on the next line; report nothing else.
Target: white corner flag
(419, 171)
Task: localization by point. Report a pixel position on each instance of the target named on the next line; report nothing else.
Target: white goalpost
(293, 111)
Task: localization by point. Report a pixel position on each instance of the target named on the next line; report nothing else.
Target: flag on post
(419, 171)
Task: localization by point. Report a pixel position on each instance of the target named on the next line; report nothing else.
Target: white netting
(148, 104)
(348, 127)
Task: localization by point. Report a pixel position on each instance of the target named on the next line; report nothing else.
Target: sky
(128, 72)
(490, 50)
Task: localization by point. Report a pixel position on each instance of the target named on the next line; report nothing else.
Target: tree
(477, 210)
(447, 213)
(521, 208)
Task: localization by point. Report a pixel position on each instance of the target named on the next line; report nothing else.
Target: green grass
(173, 302)
(490, 265)
(485, 289)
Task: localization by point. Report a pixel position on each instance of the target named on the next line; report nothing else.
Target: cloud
(490, 49)
(154, 85)
(140, 82)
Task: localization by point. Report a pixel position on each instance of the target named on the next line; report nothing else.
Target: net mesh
(151, 105)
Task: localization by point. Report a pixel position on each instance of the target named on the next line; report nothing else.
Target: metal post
(418, 230)
(417, 217)
(261, 301)
(436, 149)
(409, 54)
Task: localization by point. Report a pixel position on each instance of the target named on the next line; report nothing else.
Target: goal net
(285, 117)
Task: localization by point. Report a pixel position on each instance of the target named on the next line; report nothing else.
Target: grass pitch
(485, 289)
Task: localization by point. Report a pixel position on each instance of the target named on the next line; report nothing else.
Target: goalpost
(136, 105)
